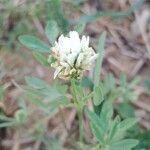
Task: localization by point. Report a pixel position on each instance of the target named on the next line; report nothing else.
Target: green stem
(79, 107)
(80, 116)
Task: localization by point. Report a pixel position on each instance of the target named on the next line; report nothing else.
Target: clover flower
(71, 56)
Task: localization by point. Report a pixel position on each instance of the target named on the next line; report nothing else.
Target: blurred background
(127, 23)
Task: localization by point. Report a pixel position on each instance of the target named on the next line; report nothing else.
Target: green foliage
(41, 58)
(144, 138)
(7, 124)
(36, 83)
(55, 12)
(15, 20)
(34, 43)
(80, 27)
(110, 130)
(1, 93)
(125, 110)
(53, 94)
(21, 116)
(98, 95)
(80, 97)
(97, 126)
(113, 14)
(52, 31)
(87, 83)
(127, 144)
(98, 67)
(110, 133)
(147, 84)
(53, 144)
(126, 88)
(19, 119)
(127, 123)
(111, 91)
(20, 18)
(128, 95)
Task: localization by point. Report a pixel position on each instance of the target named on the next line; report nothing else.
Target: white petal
(93, 58)
(64, 44)
(64, 64)
(71, 58)
(57, 71)
(85, 42)
(79, 59)
(90, 59)
(61, 39)
(75, 43)
(74, 35)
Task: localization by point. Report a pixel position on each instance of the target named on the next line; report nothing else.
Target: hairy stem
(80, 116)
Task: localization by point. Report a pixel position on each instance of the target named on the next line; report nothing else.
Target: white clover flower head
(71, 56)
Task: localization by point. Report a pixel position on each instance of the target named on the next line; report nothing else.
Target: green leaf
(87, 82)
(126, 144)
(109, 83)
(34, 98)
(89, 96)
(121, 129)
(126, 90)
(97, 132)
(61, 101)
(48, 93)
(98, 95)
(98, 127)
(61, 88)
(1, 93)
(22, 103)
(114, 128)
(127, 123)
(135, 6)
(125, 110)
(99, 64)
(113, 14)
(134, 82)
(41, 58)
(53, 143)
(7, 124)
(144, 139)
(106, 112)
(118, 135)
(80, 27)
(21, 116)
(123, 80)
(99, 59)
(36, 83)
(5, 118)
(55, 12)
(51, 31)
(34, 43)
(147, 84)
(113, 95)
